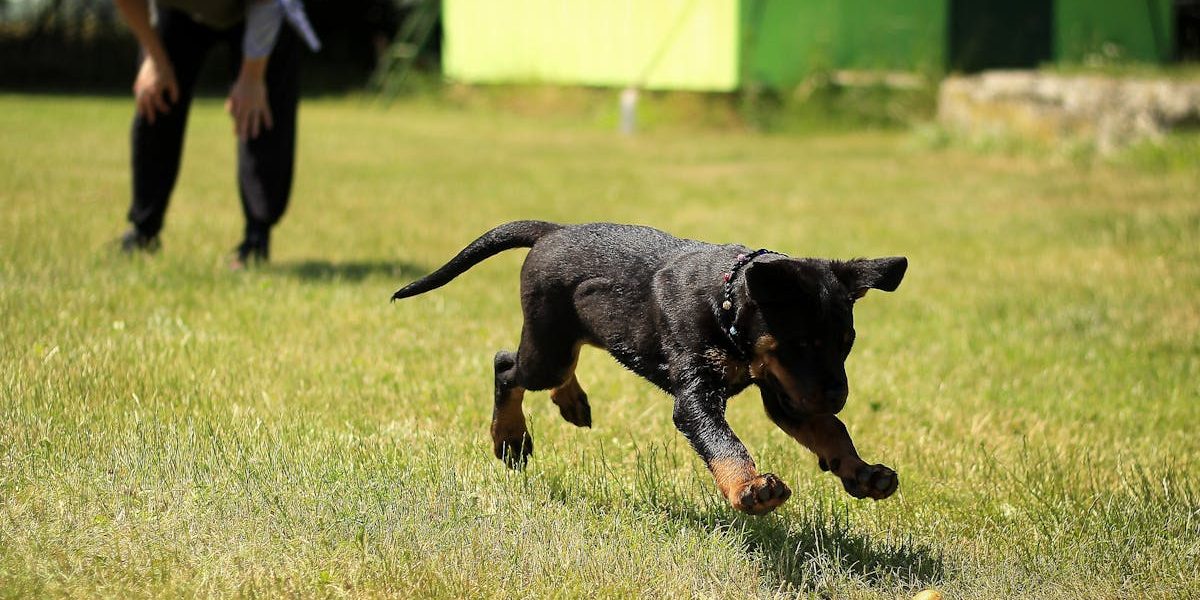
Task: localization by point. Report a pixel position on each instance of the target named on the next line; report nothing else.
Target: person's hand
(155, 88)
(247, 104)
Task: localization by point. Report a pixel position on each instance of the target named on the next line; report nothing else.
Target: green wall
(784, 40)
(892, 34)
(720, 45)
(1083, 27)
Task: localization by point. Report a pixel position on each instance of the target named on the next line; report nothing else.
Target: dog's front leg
(700, 416)
(827, 437)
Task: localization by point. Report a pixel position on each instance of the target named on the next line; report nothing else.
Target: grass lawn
(168, 427)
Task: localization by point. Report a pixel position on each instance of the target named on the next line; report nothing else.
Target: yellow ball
(928, 595)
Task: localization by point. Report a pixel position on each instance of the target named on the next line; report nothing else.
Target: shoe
(134, 242)
(250, 253)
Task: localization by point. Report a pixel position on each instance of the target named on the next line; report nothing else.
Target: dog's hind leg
(572, 401)
(510, 438)
(545, 360)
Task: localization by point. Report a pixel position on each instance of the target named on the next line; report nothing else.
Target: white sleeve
(263, 19)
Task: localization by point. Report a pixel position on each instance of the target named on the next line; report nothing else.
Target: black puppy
(702, 322)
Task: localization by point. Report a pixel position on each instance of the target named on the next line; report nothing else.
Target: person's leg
(156, 147)
(265, 163)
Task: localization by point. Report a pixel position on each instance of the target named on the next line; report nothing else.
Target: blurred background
(172, 428)
(82, 45)
(873, 62)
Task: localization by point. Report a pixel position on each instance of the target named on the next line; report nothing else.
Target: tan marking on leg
(827, 437)
(568, 394)
(508, 421)
(732, 475)
(570, 397)
(746, 489)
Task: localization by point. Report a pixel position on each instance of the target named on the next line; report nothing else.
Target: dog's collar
(727, 313)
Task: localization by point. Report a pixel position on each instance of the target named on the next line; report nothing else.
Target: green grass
(171, 428)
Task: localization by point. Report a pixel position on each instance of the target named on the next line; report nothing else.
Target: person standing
(262, 103)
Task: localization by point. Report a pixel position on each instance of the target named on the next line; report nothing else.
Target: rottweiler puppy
(700, 321)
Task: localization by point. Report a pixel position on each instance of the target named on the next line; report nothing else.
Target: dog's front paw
(761, 495)
(872, 481)
(514, 451)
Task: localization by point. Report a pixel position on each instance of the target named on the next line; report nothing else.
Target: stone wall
(1111, 111)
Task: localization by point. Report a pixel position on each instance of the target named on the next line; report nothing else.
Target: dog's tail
(517, 234)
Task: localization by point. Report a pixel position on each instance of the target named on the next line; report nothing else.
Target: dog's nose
(836, 398)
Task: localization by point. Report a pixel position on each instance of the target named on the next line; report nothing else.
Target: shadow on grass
(318, 270)
(805, 547)
(802, 550)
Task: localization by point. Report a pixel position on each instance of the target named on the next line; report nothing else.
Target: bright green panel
(892, 34)
(1141, 30)
(784, 40)
(665, 44)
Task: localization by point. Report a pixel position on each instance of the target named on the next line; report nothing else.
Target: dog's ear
(781, 281)
(860, 274)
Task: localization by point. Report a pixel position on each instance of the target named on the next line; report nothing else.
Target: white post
(629, 98)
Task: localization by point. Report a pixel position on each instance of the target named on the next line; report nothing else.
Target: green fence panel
(720, 45)
(1137, 30)
(892, 34)
(785, 40)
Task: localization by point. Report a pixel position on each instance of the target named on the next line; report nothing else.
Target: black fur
(653, 301)
(517, 234)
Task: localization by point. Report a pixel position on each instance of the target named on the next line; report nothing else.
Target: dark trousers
(264, 163)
